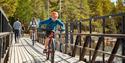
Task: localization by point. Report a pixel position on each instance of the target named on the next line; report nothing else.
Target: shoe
(45, 51)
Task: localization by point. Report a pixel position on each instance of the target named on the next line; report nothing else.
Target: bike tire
(53, 52)
(48, 52)
(33, 34)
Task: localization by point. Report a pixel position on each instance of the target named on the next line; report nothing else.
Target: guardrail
(5, 42)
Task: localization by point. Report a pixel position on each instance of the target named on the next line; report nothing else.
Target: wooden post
(75, 46)
(80, 31)
(71, 31)
(78, 39)
(66, 37)
(97, 47)
(1, 49)
(71, 35)
(114, 51)
(87, 39)
(103, 47)
(0, 21)
(123, 40)
(90, 31)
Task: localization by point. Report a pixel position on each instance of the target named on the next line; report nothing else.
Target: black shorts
(33, 28)
(48, 33)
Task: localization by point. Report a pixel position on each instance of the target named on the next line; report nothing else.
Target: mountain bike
(33, 36)
(51, 46)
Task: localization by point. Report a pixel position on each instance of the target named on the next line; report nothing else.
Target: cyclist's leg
(36, 34)
(48, 35)
(30, 34)
(46, 43)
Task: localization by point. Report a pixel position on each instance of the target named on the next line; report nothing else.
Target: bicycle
(33, 36)
(51, 46)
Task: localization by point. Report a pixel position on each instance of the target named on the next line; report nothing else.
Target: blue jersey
(52, 24)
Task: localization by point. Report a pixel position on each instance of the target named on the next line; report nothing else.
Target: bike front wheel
(53, 52)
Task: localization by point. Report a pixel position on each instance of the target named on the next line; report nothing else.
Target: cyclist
(51, 23)
(33, 27)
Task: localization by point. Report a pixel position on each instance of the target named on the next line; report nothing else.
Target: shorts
(48, 33)
(33, 28)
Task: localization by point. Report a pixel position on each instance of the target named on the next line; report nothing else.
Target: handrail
(5, 42)
(88, 34)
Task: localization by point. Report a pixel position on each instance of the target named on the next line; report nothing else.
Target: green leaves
(9, 6)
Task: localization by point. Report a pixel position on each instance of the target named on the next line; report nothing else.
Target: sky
(113, 0)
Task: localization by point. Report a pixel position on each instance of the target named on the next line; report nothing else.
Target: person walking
(17, 27)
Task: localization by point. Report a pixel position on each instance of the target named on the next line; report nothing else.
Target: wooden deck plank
(36, 55)
(28, 58)
(16, 55)
(27, 53)
(57, 55)
(22, 54)
(19, 54)
(11, 58)
(13, 54)
(10, 54)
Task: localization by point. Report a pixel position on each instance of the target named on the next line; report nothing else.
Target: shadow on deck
(24, 52)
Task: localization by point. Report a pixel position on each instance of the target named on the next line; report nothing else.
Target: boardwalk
(24, 52)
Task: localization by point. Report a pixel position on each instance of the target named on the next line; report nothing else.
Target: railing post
(80, 31)
(97, 47)
(75, 46)
(87, 40)
(1, 21)
(1, 48)
(123, 40)
(66, 37)
(90, 31)
(71, 31)
(114, 51)
(103, 44)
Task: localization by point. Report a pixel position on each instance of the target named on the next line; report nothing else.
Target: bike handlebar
(48, 29)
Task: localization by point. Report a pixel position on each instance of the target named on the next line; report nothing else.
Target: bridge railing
(84, 49)
(5, 42)
(5, 37)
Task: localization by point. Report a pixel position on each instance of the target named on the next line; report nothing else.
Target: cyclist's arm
(62, 25)
(43, 22)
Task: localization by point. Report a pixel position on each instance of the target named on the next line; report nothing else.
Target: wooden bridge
(77, 46)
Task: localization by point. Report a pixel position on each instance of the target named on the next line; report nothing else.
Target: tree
(96, 7)
(37, 7)
(119, 6)
(107, 7)
(9, 6)
(24, 10)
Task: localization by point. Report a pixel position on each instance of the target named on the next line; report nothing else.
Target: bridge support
(123, 40)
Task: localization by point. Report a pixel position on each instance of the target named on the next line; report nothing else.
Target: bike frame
(51, 49)
(33, 37)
